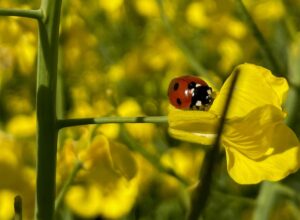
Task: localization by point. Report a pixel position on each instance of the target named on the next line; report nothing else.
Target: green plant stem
(36, 14)
(62, 123)
(260, 38)
(46, 109)
(269, 196)
(202, 191)
(77, 167)
(293, 100)
(18, 208)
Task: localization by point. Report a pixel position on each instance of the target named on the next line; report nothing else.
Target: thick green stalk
(46, 109)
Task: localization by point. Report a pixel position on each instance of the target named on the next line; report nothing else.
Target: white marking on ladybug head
(192, 90)
(209, 92)
(198, 84)
(198, 103)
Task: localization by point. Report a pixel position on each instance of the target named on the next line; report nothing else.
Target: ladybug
(190, 93)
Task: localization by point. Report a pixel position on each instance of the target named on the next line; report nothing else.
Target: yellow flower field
(90, 133)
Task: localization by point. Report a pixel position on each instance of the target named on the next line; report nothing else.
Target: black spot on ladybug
(191, 85)
(176, 86)
(178, 101)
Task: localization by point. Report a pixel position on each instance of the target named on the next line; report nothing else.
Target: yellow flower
(258, 145)
(184, 161)
(147, 8)
(108, 178)
(130, 107)
(22, 126)
(230, 52)
(196, 15)
(107, 161)
(269, 10)
(110, 6)
(6, 201)
(90, 200)
(16, 178)
(25, 53)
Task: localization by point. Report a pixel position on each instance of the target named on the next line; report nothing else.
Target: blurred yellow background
(117, 58)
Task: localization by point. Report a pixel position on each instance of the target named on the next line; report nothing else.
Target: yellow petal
(91, 199)
(84, 201)
(184, 161)
(192, 126)
(252, 135)
(22, 126)
(98, 162)
(255, 87)
(97, 152)
(119, 201)
(106, 162)
(6, 201)
(196, 15)
(273, 168)
(123, 161)
(268, 150)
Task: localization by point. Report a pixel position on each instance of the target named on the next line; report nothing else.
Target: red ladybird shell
(179, 93)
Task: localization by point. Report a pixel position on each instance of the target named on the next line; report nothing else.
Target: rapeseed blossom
(107, 179)
(16, 177)
(258, 144)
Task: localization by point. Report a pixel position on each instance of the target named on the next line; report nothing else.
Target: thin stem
(293, 101)
(269, 195)
(260, 38)
(77, 167)
(36, 14)
(18, 208)
(202, 191)
(105, 120)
